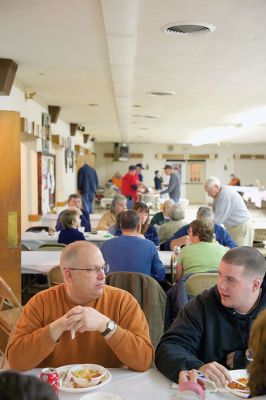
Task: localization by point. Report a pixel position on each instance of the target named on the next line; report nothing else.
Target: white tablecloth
(150, 385)
(39, 262)
(33, 240)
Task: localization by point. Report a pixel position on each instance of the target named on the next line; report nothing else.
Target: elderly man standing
(230, 210)
(211, 333)
(82, 320)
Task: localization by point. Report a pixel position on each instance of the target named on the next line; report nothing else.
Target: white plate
(236, 374)
(104, 381)
(100, 396)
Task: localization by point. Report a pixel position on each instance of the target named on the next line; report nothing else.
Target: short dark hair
(249, 258)
(15, 386)
(203, 229)
(168, 166)
(67, 217)
(129, 220)
(132, 168)
(73, 196)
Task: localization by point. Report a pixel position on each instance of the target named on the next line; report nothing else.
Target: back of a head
(67, 217)
(15, 386)
(203, 229)
(213, 181)
(249, 258)
(129, 220)
(177, 212)
(205, 214)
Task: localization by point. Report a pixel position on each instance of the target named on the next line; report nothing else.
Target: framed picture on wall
(46, 183)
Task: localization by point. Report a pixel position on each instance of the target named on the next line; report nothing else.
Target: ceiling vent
(187, 28)
(165, 93)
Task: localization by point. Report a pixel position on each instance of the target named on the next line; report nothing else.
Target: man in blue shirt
(74, 201)
(132, 252)
(87, 186)
(180, 238)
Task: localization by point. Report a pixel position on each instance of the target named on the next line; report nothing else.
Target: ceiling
(111, 53)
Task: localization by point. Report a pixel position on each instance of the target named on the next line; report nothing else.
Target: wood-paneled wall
(10, 194)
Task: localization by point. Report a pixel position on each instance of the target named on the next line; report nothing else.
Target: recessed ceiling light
(187, 28)
(93, 105)
(161, 93)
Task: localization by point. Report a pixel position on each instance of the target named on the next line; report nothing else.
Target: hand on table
(216, 373)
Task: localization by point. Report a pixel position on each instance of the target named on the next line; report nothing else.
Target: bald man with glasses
(82, 320)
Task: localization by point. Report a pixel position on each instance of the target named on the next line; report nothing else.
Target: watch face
(111, 325)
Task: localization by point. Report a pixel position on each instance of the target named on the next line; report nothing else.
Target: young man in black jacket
(211, 333)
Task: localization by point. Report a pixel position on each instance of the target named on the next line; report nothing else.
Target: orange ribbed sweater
(33, 347)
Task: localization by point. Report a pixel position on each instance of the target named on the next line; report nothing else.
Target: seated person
(70, 220)
(109, 217)
(147, 229)
(180, 238)
(163, 216)
(14, 385)
(74, 201)
(130, 252)
(176, 215)
(106, 321)
(202, 255)
(211, 333)
(234, 181)
(188, 380)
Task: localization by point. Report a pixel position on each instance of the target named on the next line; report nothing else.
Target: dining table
(41, 262)
(33, 240)
(130, 385)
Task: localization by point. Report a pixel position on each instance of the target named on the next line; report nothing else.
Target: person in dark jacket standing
(158, 180)
(87, 186)
(211, 333)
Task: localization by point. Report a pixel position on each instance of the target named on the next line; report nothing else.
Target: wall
(65, 181)
(222, 167)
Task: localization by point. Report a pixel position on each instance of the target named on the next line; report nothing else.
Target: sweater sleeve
(179, 347)
(31, 342)
(131, 342)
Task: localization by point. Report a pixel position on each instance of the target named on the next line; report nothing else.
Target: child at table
(70, 220)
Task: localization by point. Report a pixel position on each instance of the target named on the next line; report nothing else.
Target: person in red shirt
(130, 185)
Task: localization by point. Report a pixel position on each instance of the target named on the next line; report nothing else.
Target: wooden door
(10, 210)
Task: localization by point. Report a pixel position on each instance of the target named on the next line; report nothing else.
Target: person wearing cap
(173, 188)
(139, 168)
(130, 185)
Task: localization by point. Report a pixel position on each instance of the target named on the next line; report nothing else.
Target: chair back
(196, 283)
(150, 296)
(24, 247)
(10, 309)
(51, 247)
(55, 276)
(38, 229)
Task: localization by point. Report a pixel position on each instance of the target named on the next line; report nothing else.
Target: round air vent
(187, 28)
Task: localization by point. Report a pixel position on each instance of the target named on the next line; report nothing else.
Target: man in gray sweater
(174, 184)
(231, 211)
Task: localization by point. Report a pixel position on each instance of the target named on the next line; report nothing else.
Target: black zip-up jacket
(206, 331)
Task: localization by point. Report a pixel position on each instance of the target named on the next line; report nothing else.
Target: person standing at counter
(173, 188)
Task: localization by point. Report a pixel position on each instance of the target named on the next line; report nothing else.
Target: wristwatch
(111, 325)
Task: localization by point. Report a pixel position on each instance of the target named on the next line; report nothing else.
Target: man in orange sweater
(82, 320)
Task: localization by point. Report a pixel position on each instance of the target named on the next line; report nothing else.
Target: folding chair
(10, 309)
(55, 276)
(51, 247)
(196, 283)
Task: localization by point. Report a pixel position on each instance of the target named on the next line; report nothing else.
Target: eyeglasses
(93, 270)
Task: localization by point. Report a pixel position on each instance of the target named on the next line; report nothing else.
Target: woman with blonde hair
(257, 347)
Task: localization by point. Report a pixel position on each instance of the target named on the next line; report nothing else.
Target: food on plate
(86, 373)
(236, 386)
(81, 376)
